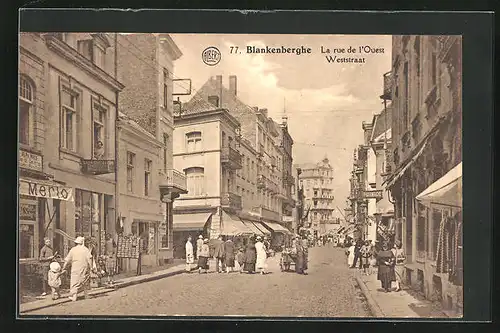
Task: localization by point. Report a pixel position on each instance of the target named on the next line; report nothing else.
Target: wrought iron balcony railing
(173, 180)
(231, 158)
(231, 200)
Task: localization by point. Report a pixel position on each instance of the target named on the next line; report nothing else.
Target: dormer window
(94, 49)
(214, 100)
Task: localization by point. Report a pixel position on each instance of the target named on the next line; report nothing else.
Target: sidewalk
(124, 282)
(395, 304)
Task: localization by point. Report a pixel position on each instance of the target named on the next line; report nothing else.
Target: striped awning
(188, 222)
(252, 227)
(233, 226)
(277, 227)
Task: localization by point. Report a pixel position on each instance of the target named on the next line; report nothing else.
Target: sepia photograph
(251, 175)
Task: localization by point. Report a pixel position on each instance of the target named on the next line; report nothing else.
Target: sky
(325, 102)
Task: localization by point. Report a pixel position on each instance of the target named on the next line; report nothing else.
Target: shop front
(279, 234)
(190, 224)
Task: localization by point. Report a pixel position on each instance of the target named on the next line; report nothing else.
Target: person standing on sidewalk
(261, 256)
(203, 256)
(250, 257)
(189, 254)
(229, 255)
(110, 259)
(400, 260)
(357, 254)
(80, 260)
(46, 256)
(386, 261)
(350, 255)
(199, 244)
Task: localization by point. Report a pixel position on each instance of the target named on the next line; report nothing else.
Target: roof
(382, 122)
(129, 121)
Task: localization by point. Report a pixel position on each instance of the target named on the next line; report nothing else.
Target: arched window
(193, 141)
(195, 181)
(26, 105)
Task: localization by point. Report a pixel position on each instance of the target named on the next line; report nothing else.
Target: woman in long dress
(400, 259)
(301, 261)
(350, 254)
(189, 254)
(250, 257)
(203, 255)
(261, 256)
(229, 255)
(80, 260)
(386, 263)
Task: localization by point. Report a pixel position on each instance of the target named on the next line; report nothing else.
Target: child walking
(54, 277)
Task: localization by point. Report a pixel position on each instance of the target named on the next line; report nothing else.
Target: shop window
(195, 181)
(27, 241)
(69, 114)
(193, 141)
(130, 172)
(147, 176)
(99, 129)
(437, 216)
(26, 105)
(89, 215)
(147, 231)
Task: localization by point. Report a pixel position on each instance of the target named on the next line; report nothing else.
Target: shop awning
(233, 226)
(252, 227)
(188, 222)
(277, 227)
(264, 230)
(447, 190)
(402, 169)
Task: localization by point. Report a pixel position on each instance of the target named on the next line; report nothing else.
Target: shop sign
(27, 211)
(377, 194)
(46, 191)
(31, 161)
(98, 167)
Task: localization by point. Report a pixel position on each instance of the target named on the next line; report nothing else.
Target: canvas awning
(251, 226)
(402, 169)
(447, 190)
(233, 226)
(188, 222)
(277, 227)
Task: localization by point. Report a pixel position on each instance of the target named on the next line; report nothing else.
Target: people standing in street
(240, 258)
(386, 261)
(261, 256)
(203, 256)
(199, 244)
(301, 262)
(46, 256)
(110, 259)
(400, 260)
(365, 257)
(350, 254)
(54, 278)
(357, 254)
(219, 254)
(80, 260)
(250, 257)
(189, 254)
(229, 255)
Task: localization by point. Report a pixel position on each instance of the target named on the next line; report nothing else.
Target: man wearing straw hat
(80, 260)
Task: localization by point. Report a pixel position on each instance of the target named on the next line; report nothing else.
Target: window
(99, 56)
(165, 88)
(26, 101)
(195, 181)
(99, 135)
(86, 48)
(165, 151)
(88, 214)
(193, 141)
(406, 116)
(69, 111)
(147, 176)
(130, 172)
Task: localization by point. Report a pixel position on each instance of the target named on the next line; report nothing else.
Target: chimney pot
(233, 84)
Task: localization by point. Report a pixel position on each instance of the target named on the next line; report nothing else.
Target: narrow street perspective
(329, 290)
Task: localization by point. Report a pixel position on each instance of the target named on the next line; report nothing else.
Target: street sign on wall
(377, 194)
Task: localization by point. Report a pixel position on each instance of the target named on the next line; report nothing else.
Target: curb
(105, 290)
(374, 307)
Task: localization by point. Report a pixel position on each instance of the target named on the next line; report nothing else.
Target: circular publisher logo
(211, 56)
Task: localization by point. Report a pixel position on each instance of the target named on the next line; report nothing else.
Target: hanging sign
(377, 194)
(42, 190)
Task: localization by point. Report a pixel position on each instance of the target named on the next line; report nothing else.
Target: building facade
(317, 183)
(67, 110)
(148, 183)
(426, 91)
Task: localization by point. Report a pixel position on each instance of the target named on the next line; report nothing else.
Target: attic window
(214, 100)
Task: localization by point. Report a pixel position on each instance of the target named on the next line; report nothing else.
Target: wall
(246, 179)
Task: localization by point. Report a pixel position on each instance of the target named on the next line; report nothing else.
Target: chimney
(233, 87)
(255, 109)
(218, 80)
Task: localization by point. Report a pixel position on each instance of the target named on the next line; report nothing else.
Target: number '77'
(233, 49)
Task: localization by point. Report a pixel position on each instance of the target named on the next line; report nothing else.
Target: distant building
(317, 182)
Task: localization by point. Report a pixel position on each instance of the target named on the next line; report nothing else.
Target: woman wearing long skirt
(261, 256)
(350, 255)
(400, 262)
(386, 263)
(189, 254)
(250, 257)
(229, 255)
(203, 255)
(301, 262)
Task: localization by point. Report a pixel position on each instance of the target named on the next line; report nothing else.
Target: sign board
(287, 218)
(98, 167)
(27, 211)
(31, 161)
(377, 194)
(42, 190)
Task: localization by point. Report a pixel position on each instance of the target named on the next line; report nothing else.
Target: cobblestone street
(330, 290)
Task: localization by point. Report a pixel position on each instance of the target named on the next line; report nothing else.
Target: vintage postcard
(253, 175)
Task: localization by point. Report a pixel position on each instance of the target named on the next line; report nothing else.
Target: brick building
(148, 183)
(67, 111)
(426, 91)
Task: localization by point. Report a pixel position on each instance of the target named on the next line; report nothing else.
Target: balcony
(289, 179)
(172, 182)
(97, 166)
(267, 213)
(261, 182)
(230, 158)
(231, 201)
(387, 93)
